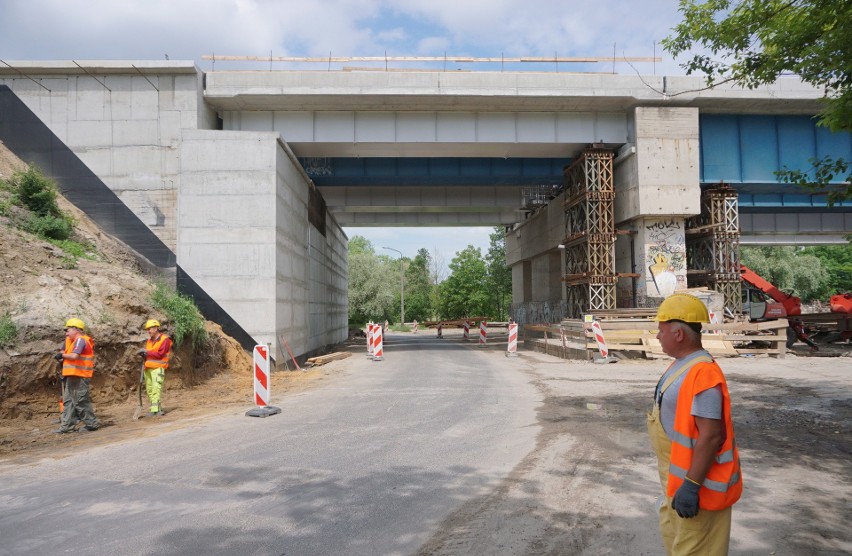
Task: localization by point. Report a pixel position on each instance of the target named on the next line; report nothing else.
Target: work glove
(685, 501)
(58, 357)
(142, 352)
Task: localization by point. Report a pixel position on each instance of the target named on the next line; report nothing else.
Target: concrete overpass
(247, 177)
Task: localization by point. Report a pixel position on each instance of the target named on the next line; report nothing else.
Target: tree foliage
(465, 292)
(837, 261)
(788, 269)
(371, 292)
(499, 276)
(418, 288)
(753, 42)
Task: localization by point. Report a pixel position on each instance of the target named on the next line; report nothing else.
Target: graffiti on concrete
(665, 257)
(539, 312)
(318, 166)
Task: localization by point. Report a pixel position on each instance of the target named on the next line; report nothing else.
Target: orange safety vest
(84, 364)
(723, 484)
(155, 346)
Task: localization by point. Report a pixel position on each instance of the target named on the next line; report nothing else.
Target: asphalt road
(371, 463)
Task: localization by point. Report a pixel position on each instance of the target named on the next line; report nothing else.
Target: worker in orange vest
(157, 352)
(78, 365)
(692, 435)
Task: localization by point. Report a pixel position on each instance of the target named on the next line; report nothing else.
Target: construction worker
(692, 435)
(78, 364)
(156, 353)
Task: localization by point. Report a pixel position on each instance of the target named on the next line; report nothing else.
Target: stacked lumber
(639, 334)
(323, 359)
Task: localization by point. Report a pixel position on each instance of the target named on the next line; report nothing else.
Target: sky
(190, 29)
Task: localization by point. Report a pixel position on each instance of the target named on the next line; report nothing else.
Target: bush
(36, 192)
(182, 314)
(49, 226)
(8, 330)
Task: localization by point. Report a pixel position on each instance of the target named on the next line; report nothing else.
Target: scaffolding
(713, 245)
(589, 243)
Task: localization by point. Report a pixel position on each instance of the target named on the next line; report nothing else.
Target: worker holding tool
(78, 364)
(692, 434)
(156, 353)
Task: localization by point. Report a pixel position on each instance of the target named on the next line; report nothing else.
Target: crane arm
(791, 303)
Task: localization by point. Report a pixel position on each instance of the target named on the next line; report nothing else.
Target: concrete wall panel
(260, 120)
(335, 126)
(536, 128)
(455, 127)
(89, 133)
(375, 126)
(416, 127)
(293, 126)
(496, 127)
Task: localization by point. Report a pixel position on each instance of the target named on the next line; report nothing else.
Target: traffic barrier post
(466, 330)
(483, 334)
(260, 357)
(260, 362)
(599, 338)
(512, 346)
(378, 351)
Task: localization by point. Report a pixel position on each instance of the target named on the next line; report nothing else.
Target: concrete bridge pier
(657, 187)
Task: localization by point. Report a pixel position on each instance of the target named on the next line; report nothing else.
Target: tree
(837, 261)
(753, 42)
(465, 292)
(499, 275)
(788, 269)
(418, 288)
(371, 295)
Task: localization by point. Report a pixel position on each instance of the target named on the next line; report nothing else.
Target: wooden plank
(323, 359)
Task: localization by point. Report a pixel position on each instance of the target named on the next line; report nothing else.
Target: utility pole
(401, 285)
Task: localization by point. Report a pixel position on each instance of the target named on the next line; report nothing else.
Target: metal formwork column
(590, 233)
(713, 245)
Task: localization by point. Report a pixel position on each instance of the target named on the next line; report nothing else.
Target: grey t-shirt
(705, 404)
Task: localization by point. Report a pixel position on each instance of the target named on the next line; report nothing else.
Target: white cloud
(188, 29)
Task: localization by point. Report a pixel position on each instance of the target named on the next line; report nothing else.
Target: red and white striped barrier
(466, 330)
(370, 330)
(714, 319)
(440, 330)
(378, 350)
(512, 347)
(415, 327)
(483, 334)
(260, 355)
(599, 338)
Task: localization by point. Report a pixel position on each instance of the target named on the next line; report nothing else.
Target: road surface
(369, 464)
(445, 449)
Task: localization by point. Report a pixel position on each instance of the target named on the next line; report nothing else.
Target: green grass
(183, 315)
(8, 330)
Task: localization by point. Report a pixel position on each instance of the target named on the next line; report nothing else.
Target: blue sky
(189, 29)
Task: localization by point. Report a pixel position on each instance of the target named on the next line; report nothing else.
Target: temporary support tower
(713, 245)
(590, 233)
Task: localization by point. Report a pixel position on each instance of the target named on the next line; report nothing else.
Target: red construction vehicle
(841, 303)
(766, 302)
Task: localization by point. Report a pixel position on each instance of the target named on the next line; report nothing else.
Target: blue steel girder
(746, 151)
(393, 171)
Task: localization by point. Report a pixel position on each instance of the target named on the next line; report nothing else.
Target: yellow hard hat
(152, 323)
(683, 307)
(75, 323)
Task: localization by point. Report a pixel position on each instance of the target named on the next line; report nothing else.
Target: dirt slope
(41, 287)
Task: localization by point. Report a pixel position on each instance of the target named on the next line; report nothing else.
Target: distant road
(371, 463)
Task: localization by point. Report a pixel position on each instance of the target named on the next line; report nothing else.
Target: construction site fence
(574, 339)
